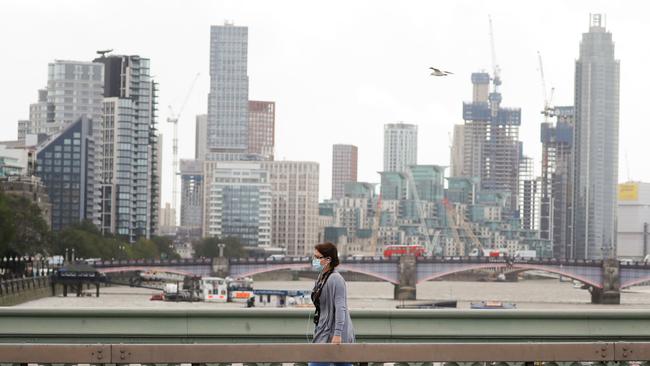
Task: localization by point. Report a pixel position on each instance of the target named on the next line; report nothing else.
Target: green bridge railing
(128, 326)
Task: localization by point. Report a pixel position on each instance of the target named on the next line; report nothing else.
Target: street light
(221, 246)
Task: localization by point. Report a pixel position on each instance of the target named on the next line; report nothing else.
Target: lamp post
(122, 252)
(221, 246)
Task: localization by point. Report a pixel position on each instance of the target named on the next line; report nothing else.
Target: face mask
(315, 264)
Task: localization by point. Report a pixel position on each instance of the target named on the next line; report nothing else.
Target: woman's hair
(328, 250)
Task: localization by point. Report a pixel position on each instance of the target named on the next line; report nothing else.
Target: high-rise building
(294, 186)
(462, 190)
(38, 113)
(456, 149)
(167, 220)
(24, 128)
(261, 129)
(240, 203)
(491, 146)
(529, 194)
(556, 190)
(633, 220)
(201, 137)
(596, 143)
(428, 181)
(394, 186)
(400, 146)
(228, 97)
(65, 163)
(470, 140)
(74, 89)
(130, 157)
(192, 186)
(344, 168)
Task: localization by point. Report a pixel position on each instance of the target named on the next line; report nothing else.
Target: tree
(208, 247)
(32, 234)
(144, 248)
(23, 231)
(88, 242)
(7, 231)
(165, 247)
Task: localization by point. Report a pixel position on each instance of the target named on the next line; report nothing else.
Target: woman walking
(332, 318)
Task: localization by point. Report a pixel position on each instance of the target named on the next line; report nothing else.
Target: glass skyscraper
(65, 164)
(228, 97)
(240, 203)
(130, 171)
(596, 144)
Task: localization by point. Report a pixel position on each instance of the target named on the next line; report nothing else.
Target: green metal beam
(294, 325)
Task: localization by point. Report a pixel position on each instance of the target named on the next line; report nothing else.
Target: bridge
(604, 278)
(173, 336)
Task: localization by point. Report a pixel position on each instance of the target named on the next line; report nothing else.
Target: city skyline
(372, 92)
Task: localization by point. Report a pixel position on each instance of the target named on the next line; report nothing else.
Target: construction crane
(496, 70)
(173, 118)
(548, 111)
(460, 248)
(420, 209)
(467, 229)
(476, 243)
(495, 96)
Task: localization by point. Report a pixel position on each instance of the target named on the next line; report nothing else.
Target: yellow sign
(628, 192)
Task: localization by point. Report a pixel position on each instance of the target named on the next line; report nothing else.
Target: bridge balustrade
(108, 336)
(450, 353)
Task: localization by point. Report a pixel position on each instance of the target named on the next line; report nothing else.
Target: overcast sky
(338, 70)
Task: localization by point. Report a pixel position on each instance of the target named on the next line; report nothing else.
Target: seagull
(438, 72)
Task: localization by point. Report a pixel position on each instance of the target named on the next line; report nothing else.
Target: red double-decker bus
(398, 250)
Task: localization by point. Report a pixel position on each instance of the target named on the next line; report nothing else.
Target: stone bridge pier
(220, 267)
(406, 289)
(611, 291)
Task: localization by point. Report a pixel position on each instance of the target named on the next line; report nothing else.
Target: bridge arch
(379, 276)
(276, 267)
(515, 266)
(306, 266)
(146, 269)
(635, 281)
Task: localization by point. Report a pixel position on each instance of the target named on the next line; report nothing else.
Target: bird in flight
(438, 72)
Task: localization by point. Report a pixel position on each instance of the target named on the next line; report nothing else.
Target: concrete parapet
(18, 291)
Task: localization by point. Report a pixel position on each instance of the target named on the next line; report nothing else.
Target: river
(526, 294)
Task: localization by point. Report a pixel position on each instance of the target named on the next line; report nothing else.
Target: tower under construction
(491, 146)
(556, 206)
